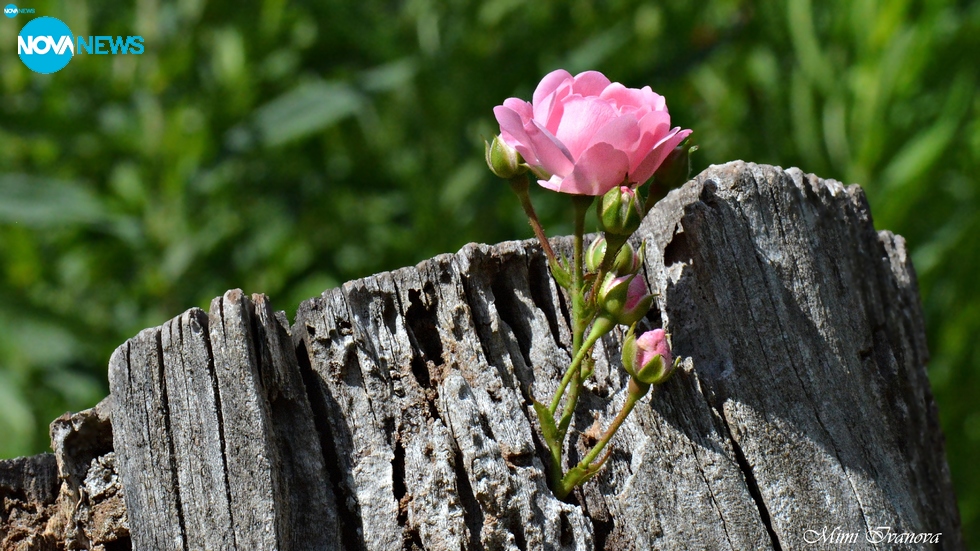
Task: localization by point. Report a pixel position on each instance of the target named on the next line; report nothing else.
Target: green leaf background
(287, 147)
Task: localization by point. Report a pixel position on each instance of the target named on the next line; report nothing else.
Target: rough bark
(395, 412)
(71, 499)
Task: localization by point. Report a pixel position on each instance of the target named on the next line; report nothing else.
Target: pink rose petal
(601, 168)
(551, 153)
(650, 344)
(521, 107)
(549, 84)
(621, 132)
(513, 133)
(582, 119)
(648, 166)
(589, 83)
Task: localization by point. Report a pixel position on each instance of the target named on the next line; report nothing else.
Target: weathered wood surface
(220, 447)
(71, 499)
(394, 413)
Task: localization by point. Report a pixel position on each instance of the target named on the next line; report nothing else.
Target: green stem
(586, 469)
(601, 327)
(631, 400)
(520, 186)
(582, 203)
(566, 414)
(555, 474)
(573, 375)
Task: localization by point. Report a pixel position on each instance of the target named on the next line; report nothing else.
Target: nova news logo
(46, 45)
(11, 10)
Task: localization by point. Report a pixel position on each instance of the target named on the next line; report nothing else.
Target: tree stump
(395, 412)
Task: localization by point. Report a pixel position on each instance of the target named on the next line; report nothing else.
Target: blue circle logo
(10, 11)
(45, 45)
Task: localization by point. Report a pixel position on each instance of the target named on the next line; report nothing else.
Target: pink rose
(585, 135)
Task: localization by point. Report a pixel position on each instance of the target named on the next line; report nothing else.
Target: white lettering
(39, 40)
(44, 44)
(878, 534)
(835, 536)
(63, 44)
(812, 536)
(884, 534)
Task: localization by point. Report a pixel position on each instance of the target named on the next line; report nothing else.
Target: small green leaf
(576, 476)
(580, 474)
(561, 275)
(548, 428)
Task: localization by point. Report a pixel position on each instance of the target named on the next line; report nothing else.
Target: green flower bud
(651, 360)
(624, 299)
(504, 160)
(595, 253)
(676, 168)
(619, 211)
(627, 260)
(629, 353)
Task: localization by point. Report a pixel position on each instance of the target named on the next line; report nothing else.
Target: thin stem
(520, 186)
(601, 327)
(573, 375)
(631, 400)
(578, 327)
(597, 282)
(580, 348)
(581, 203)
(566, 414)
(555, 473)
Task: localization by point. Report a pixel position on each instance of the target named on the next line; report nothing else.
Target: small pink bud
(653, 364)
(651, 344)
(624, 298)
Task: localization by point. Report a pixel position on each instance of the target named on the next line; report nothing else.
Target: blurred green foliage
(284, 148)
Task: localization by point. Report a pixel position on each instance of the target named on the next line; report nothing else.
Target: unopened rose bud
(619, 212)
(629, 353)
(503, 160)
(595, 253)
(676, 168)
(624, 298)
(627, 260)
(651, 358)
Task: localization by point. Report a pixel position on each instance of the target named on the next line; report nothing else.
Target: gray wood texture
(394, 413)
(221, 449)
(71, 499)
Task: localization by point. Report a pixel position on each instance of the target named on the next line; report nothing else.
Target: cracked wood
(394, 413)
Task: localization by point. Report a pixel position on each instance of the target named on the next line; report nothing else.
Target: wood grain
(394, 413)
